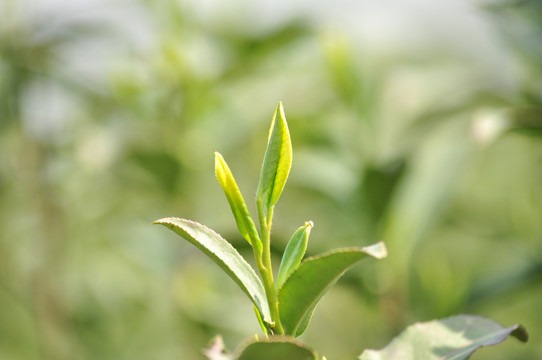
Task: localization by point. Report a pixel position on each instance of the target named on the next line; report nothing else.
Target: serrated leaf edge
(262, 307)
(377, 250)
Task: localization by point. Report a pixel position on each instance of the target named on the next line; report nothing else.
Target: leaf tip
(167, 221)
(378, 250)
(220, 166)
(520, 333)
(280, 116)
(218, 159)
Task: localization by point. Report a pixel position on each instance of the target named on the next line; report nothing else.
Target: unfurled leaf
(276, 163)
(294, 252)
(223, 254)
(310, 281)
(275, 348)
(454, 338)
(237, 203)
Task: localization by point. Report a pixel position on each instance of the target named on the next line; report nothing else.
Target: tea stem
(266, 268)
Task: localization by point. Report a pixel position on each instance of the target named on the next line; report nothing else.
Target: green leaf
(237, 203)
(277, 347)
(294, 252)
(310, 281)
(266, 326)
(277, 161)
(454, 338)
(223, 254)
(305, 321)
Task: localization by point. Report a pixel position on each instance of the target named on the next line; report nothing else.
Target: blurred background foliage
(414, 122)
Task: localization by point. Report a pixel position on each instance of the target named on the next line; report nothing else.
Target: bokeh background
(413, 122)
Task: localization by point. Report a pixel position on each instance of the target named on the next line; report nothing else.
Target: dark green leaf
(294, 252)
(525, 119)
(455, 338)
(310, 281)
(222, 253)
(277, 348)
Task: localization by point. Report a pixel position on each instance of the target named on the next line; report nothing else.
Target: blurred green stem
(50, 318)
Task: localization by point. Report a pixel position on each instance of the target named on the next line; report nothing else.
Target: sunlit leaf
(310, 281)
(223, 254)
(275, 348)
(294, 252)
(277, 161)
(237, 203)
(454, 338)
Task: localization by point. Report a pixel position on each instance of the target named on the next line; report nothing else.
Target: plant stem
(265, 267)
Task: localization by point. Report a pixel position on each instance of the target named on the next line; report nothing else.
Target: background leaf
(526, 119)
(309, 282)
(222, 253)
(454, 338)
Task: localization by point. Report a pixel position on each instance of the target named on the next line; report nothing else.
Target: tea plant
(284, 305)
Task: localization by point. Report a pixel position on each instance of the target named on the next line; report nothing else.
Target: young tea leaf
(275, 348)
(310, 281)
(277, 161)
(294, 252)
(237, 203)
(223, 254)
(454, 338)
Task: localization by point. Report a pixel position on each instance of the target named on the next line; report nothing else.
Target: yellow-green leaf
(245, 224)
(277, 161)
